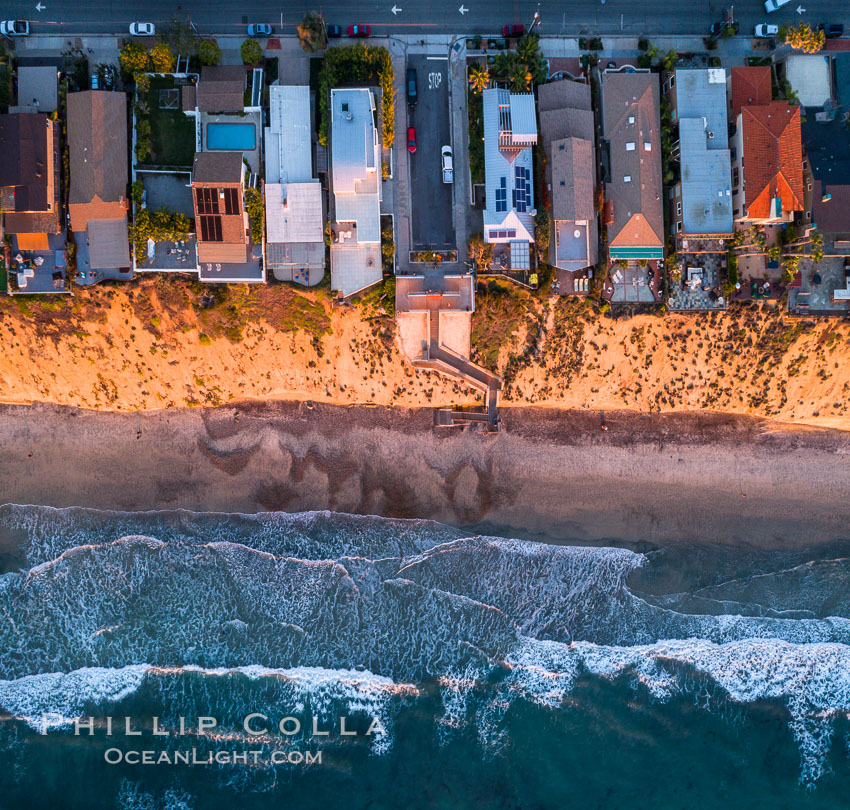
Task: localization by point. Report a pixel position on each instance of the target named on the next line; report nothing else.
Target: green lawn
(172, 132)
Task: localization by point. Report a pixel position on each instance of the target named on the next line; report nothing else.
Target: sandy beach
(648, 479)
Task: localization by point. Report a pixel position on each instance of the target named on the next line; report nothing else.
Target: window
(647, 146)
(735, 177)
(679, 227)
(808, 186)
(672, 81)
(627, 178)
(678, 209)
(502, 195)
(631, 119)
(630, 147)
(210, 228)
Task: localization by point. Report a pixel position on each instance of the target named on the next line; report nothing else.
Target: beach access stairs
(438, 357)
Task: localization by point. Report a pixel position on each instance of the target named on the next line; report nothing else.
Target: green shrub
(252, 53)
(209, 53)
(256, 213)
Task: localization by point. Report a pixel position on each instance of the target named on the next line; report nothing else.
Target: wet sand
(649, 479)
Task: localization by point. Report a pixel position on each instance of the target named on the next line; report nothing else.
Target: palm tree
(479, 78)
(521, 80)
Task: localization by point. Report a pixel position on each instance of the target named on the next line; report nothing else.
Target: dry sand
(153, 345)
(552, 474)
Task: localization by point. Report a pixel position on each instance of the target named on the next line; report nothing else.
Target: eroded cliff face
(165, 342)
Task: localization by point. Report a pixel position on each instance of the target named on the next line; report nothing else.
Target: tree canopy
(252, 53)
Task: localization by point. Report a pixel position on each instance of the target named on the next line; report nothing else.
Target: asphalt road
(431, 198)
(440, 16)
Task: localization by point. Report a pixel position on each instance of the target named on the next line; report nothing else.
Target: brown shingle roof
(217, 168)
(27, 167)
(573, 179)
(751, 86)
(189, 97)
(221, 88)
(773, 155)
(38, 222)
(637, 217)
(97, 143)
(563, 93)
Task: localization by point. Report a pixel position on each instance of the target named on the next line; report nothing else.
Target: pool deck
(253, 157)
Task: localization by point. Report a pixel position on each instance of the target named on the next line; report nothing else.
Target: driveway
(431, 223)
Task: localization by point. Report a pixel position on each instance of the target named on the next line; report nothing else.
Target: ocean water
(469, 671)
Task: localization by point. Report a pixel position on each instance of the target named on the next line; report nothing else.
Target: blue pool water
(236, 137)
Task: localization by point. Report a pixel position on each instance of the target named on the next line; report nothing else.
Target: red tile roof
(773, 158)
(751, 86)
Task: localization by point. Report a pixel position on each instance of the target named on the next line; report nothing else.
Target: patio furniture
(22, 281)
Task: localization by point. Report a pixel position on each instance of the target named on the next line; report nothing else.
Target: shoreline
(650, 479)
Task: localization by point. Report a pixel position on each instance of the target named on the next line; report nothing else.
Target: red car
(411, 139)
(358, 30)
(513, 30)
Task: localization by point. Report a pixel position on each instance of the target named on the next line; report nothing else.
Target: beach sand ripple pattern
(331, 613)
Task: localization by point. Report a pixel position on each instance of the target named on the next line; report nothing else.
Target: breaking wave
(329, 613)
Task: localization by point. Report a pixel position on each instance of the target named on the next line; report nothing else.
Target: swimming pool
(233, 137)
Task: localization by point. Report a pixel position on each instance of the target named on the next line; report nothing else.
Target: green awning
(636, 252)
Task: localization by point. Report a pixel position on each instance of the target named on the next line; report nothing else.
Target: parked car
(140, 29)
(359, 30)
(774, 5)
(260, 30)
(15, 28)
(411, 139)
(717, 28)
(411, 86)
(832, 30)
(334, 31)
(446, 156)
(765, 30)
(513, 30)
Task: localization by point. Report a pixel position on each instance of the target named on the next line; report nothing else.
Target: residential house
(221, 222)
(568, 133)
(356, 185)
(29, 176)
(767, 164)
(748, 87)
(828, 151)
(631, 156)
(220, 89)
(97, 202)
(31, 203)
(510, 132)
(701, 202)
(295, 238)
(38, 89)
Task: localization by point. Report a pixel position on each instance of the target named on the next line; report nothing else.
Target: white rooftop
(288, 152)
(355, 162)
(294, 212)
